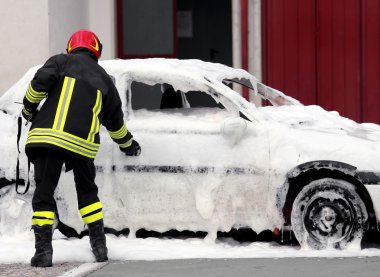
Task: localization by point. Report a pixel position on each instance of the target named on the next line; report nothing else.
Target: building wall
(102, 19)
(64, 18)
(32, 31)
(326, 53)
(24, 38)
(253, 39)
(96, 15)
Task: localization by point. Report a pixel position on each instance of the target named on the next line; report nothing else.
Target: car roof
(183, 75)
(193, 74)
(178, 72)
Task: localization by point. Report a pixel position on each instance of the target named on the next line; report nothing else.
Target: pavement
(57, 270)
(263, 267)
(284, 267)
(16, 270)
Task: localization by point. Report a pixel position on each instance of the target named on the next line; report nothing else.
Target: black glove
(133, 150)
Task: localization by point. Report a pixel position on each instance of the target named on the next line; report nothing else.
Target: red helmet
(87, 39)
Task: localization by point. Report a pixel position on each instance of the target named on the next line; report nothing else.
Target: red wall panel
(338, 56)
(325, 52)
(371, 60)
(306, 51)
(288, 47)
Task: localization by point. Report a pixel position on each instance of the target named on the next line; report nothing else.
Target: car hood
(315, 118)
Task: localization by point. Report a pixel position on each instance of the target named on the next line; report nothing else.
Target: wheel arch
(303, 174)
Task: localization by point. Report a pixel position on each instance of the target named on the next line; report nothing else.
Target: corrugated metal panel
(371, 60)
(325, 52)
(338, 56)
(289, 47)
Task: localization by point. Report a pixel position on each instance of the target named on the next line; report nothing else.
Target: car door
(201, 167)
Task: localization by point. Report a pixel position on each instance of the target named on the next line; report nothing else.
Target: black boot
(98, 240)
(44, 249)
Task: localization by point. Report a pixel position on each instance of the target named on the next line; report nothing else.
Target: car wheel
(328, 213)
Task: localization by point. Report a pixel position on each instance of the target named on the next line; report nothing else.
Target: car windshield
(275, 97)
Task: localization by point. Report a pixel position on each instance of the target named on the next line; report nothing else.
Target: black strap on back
(19, 122)
(20, 182)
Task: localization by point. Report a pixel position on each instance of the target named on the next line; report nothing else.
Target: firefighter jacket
(80, 96)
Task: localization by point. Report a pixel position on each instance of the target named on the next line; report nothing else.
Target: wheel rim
(329, 221)
(328, 213)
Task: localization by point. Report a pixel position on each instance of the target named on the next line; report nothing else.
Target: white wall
(32, 31)
(236, 34)
(102, 18)
(236, 38)
(24, 38)
(254, 38)
(254, 42)
(65, 17)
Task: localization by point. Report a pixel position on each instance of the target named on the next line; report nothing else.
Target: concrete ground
(15, 270)
(284, 267)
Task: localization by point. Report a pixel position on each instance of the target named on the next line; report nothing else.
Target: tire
(329, 213)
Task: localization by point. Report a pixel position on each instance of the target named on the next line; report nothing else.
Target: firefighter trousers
(48, 165)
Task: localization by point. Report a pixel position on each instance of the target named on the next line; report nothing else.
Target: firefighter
(80, 96)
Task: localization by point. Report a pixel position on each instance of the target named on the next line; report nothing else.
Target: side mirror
(233, 129)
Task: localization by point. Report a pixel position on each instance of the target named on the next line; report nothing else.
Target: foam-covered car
(212, 161)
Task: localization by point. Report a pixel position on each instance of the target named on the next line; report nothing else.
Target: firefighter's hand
(133, 150)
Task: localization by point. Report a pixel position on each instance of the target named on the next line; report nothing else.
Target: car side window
(163, 96)
(145, 96)
(200, 99)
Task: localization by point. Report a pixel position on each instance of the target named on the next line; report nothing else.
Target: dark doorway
(204, 30)
(184, 29)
